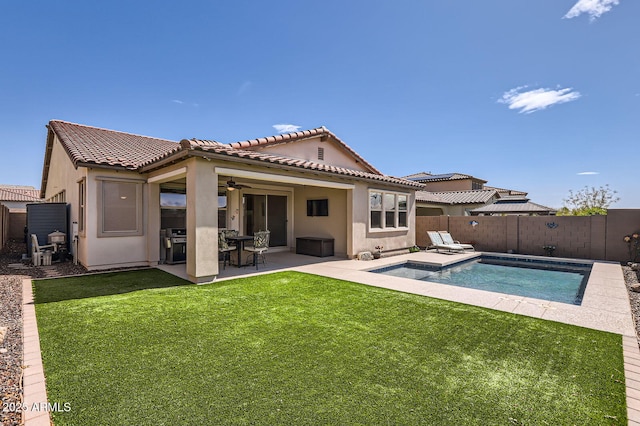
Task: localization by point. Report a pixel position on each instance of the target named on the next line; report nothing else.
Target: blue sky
(540, 96)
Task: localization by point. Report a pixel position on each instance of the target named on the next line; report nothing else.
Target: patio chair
(224, 249)
(38, 252)
(230, 233)
(448, 239)
(438, 244)
(260, 246)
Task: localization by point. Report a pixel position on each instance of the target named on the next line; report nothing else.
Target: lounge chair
(438, 244)
(448, 239)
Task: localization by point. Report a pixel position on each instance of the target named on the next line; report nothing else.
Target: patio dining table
(239, 242)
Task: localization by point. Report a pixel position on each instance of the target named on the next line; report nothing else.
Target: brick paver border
(36, 412)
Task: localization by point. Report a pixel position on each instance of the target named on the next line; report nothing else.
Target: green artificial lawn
(147, 348)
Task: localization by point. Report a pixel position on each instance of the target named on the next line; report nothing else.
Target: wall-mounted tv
(318, 207)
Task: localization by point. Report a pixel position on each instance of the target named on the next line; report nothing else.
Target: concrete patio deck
(605, 307)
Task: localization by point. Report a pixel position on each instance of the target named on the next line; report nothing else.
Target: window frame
(82, 206)
(139, 228)
(384, 211)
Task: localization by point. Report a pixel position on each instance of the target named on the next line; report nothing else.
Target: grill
(176, 244)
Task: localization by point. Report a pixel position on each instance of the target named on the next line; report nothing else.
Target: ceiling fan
(231, 185)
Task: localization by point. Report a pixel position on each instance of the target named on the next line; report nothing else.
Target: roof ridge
(464, 190)
(21, 194)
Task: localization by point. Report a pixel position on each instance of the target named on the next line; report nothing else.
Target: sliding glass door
(266, 212)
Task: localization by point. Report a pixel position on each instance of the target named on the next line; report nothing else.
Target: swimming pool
(556, 281)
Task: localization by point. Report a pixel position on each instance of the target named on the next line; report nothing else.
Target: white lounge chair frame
(448, 239)
(438, 244)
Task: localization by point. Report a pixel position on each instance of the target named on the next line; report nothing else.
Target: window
(222, 210)
(387, 210)
(402, 211)
(60, 197)
(320, 153)
(82, 197)
(120, 209)
(375, 208)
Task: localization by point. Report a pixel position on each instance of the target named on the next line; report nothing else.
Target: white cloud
(595, 8)
(286, 128)
(534, 100)
(244, 87)
(588, 173)
(179, 102)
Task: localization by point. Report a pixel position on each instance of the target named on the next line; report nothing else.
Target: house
(453, 203)
(125, 189)
(16, 197)
(447, 181)
(458, 194)
(13, 206)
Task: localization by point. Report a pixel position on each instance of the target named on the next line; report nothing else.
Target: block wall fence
(4, 225)
(579, 237)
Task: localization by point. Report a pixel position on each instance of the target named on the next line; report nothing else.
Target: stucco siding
(107, 252)
(308, 150)
(365, 239)
(332, 226)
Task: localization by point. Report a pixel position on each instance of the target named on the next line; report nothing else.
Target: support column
(351, 251)
(153, 222)
(202, 221)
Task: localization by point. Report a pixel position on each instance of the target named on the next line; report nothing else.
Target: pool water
(558, 282)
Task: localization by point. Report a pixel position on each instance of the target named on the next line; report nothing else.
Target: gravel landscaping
(13, 270)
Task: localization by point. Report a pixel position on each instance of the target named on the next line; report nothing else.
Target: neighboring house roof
(18, 193)
(96, 147)
(430, 197)
(428, 177)
(522, 205)
(507, 192)
(474, 196)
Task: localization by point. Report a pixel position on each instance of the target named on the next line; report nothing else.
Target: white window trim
(139, 209)
(383, 218)
(82, 206)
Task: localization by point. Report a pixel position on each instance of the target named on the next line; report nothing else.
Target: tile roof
(88, 145)
(430, 197)
(428, 177)
(473, 196)
(304, 134)
(219, 149)
(19, 193)
(506, 192)
(512, 206)
(92, 146)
